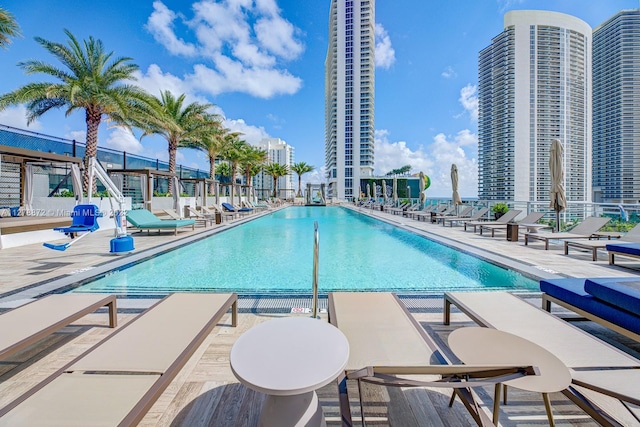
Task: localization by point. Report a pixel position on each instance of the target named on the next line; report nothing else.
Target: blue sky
(261, 62)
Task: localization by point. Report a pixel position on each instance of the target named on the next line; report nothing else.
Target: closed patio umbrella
(374, 191)
(423, 197)
(455, 197)
(368, 190)
(556, 169)
(384, 190)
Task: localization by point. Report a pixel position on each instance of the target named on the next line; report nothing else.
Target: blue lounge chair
(230, 208)
(626, 249)
(145, 220)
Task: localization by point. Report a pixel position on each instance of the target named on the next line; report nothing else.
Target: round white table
(478, 346)
(288, 359)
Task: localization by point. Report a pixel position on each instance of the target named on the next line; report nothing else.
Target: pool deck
(205, 392)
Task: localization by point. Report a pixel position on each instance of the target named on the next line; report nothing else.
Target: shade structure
(556, 170)
(394, 190)
(455, 197)
(384, 190)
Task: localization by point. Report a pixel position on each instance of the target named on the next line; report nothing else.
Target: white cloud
(247, 43)
(77, 135)
(434, 160)
(316, 176)
(160, 25)
(251, 134)
(385, 55)
(469, 100)
(17, 117)
(449, 73)
(123, 140)
(505, 5)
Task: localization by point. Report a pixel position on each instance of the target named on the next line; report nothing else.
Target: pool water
(274, 254)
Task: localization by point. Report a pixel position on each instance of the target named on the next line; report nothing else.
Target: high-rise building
(280, 152)
(616, 109)
(534, 85)
(349, 96)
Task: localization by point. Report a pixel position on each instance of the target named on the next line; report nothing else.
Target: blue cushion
(573, 292)
(621, 292)
(625, 248)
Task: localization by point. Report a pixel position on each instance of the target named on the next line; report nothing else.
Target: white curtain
(27, 202)
(176, 194)
(144, 191)
(76, 182)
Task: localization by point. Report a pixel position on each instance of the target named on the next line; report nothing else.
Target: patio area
(205, 392)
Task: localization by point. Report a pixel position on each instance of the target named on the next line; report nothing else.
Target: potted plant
(499, 209)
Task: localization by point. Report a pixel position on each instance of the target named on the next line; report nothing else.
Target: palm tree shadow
(225, 405)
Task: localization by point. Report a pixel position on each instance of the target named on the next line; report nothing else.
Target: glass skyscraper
(349, 96)
(534, 85)
(616, 109)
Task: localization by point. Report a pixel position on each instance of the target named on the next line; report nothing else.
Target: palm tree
(252, 162)
(233, 152)
(301, 168)
(210, 143)
(93, 82)
(179, 124)
(276, 170)
(8, 28)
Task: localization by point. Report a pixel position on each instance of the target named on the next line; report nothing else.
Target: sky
(261, 63)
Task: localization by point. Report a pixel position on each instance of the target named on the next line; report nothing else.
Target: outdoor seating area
(118, 380)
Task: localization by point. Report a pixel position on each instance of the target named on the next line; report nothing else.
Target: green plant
(500, 208)
(65, 193)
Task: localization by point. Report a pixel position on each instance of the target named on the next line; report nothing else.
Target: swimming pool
(274, 254)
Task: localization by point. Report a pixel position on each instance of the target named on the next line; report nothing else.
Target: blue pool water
(275, 254)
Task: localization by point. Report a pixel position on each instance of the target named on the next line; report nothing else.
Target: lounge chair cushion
(623, 293)
(142, 218)
(625, 248)
(572, 291)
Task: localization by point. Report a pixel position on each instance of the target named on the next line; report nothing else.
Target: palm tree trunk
(93, 122)
(275, 187)
(299, 185)
(173, 150)
(212, 174)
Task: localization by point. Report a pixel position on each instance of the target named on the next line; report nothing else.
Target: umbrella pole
(557, 215)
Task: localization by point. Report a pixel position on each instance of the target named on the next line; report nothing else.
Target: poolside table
(288, 359)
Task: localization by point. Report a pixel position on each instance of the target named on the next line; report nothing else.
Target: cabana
(23, 173)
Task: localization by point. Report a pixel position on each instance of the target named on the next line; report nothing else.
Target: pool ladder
(316, 250)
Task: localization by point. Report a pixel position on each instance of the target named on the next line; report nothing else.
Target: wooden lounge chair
(117, 381)
(633, 236)
(504, 219)
(583, 230)
(532, 218)
(475, 217)
(385, 341)
(199, 216)
(143, 219)
(602, 375)
(33, 321)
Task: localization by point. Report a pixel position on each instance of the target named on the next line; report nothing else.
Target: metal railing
(316, 251)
